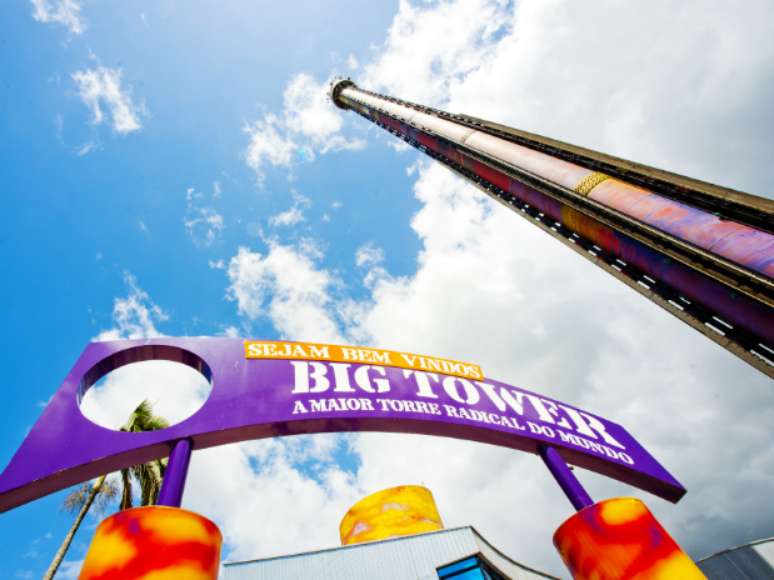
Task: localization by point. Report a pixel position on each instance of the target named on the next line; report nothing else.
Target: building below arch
(458, 554)
(454, 554)
(398, 534)
(754, 560)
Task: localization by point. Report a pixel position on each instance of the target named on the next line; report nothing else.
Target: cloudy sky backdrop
(176, 169)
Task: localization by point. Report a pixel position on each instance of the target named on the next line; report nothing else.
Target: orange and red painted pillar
(160, 542)
(614, 539)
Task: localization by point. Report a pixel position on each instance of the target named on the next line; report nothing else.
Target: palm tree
(102, 491)
(148, 475)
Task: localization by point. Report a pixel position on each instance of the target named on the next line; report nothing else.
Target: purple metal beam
(572, 488)
(172, 487)
(254, 398)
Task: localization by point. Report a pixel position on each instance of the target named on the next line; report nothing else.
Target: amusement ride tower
(703, 252)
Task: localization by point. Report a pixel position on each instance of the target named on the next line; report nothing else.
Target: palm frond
(143, 419)
(107, 495)
(76, 498)
(147, 475)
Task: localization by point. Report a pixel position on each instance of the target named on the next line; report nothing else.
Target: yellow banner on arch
(270, 349)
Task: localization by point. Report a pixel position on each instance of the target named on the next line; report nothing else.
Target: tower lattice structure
(703, 252)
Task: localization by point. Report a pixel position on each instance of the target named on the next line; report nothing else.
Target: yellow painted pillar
(397, 511)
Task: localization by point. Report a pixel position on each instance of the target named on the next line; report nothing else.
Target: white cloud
(289, 217)
(430, 48)
(341, 143)
(64, 12)
(205, 227)
(85, 149)
(268, 144)
(399, 146)
(308, 110)
(352, 62)
(135, 315)
(517, 69)
(101, 87)
(309, 125)
(369, 255)
(203, 224)
(493, 289)
(292, 216)
(286, 286)
(267, 477)
(230, 331)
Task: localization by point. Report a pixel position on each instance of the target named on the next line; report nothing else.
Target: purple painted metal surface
(173, 485)
(734, 307)
(566, 479)
(739, 243)
(251, 399)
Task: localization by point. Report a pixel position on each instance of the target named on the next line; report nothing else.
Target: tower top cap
(337, 85)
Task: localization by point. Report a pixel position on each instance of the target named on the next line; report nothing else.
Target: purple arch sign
(256, 398)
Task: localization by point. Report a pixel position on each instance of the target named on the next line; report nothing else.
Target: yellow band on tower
(589, 182)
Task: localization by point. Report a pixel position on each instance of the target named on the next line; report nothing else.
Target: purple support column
(171, 493)
(566, 479)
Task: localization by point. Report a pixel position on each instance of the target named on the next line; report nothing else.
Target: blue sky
(214, 190)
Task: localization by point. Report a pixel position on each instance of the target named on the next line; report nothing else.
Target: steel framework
(702, 252)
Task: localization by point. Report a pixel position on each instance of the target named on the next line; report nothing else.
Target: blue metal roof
(753, 561)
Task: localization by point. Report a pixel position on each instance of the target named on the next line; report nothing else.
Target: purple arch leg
(171, 493)
(572, 488)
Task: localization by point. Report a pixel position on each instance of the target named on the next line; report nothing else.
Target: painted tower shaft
(702, 252)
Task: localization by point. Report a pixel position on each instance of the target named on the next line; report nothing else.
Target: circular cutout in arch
(176, 384)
